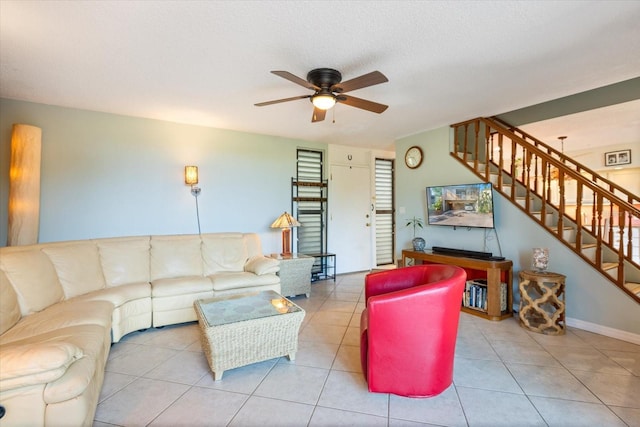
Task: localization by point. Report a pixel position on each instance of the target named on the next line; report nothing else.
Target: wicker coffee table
(247, 328)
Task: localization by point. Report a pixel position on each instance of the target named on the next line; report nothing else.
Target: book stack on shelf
(475, 295)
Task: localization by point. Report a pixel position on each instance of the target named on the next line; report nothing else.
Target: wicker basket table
(295, 274)
(247, 328)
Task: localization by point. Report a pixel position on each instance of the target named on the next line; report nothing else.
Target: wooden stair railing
(593, 216)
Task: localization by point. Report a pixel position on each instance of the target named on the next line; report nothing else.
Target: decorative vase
(418, 244)
(540, 259)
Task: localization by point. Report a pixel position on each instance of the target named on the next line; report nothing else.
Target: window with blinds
(385, 223)
(309, 202)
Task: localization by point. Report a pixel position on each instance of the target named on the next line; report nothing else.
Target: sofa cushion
(234, 280)
(253, 245)
(262, 265)
(9, 308)
(175, 256)
(32, 276)
(77, 265)
(118, 295)
(223, 252)
(124, 260)
(180, 286)
(62, 315)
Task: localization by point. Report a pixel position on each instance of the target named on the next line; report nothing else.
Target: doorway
(350, 218)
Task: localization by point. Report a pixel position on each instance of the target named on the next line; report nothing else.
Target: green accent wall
(110, 175)
(590, 298)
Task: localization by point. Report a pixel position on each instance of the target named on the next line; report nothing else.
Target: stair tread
(633, 287)
(609, 265)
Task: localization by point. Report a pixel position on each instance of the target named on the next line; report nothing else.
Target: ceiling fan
(328, 89)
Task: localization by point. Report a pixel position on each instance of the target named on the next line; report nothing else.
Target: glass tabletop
(237, 308)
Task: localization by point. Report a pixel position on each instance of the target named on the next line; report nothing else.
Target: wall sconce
(191, 178)
(286, 221)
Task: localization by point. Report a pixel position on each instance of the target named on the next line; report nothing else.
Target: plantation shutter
(385, 226)
(310, 202)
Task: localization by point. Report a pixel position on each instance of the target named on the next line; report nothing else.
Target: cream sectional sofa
(63, 304)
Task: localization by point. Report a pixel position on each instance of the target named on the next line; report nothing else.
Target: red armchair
(408, 330)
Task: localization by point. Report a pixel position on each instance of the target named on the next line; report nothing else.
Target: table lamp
(286, 221)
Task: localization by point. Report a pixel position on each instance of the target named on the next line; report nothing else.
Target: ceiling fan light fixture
(323, 101)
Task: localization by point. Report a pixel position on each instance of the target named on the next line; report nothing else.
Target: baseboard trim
(603, 330)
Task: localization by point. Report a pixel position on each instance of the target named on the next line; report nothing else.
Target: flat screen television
(466, 205)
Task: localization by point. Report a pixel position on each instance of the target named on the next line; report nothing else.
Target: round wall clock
(413, 157)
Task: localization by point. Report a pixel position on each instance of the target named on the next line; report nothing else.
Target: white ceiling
(617, 124)
(208, 62)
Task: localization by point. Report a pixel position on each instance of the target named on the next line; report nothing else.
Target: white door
(350, 218)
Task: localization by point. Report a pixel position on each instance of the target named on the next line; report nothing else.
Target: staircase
(595, 218)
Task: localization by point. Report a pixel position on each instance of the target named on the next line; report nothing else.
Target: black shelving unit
(324, 267)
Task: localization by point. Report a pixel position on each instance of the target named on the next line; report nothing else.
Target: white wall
(590, 299)
(109, 175)
(594, 158)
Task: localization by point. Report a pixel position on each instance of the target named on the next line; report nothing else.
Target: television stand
(495, 272)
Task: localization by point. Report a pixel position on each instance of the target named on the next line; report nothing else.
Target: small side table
(295, 274)
(325, 266)
(542, 302)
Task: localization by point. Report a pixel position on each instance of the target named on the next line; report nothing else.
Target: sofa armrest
(261, 265)
(35, 363)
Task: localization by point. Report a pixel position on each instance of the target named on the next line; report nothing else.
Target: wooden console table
(495, 273)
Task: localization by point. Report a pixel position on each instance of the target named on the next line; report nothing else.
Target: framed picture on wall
(617, 158)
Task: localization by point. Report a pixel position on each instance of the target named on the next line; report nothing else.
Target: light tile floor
(504, 376)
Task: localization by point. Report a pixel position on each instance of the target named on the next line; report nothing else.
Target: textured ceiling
(208, 62)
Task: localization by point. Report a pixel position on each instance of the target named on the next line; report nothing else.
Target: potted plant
(418, 242)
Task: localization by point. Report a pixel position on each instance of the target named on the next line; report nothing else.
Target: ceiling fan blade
(352, 101)
(318, 115)
(277, 101)
(295, 79)
(370, 79)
